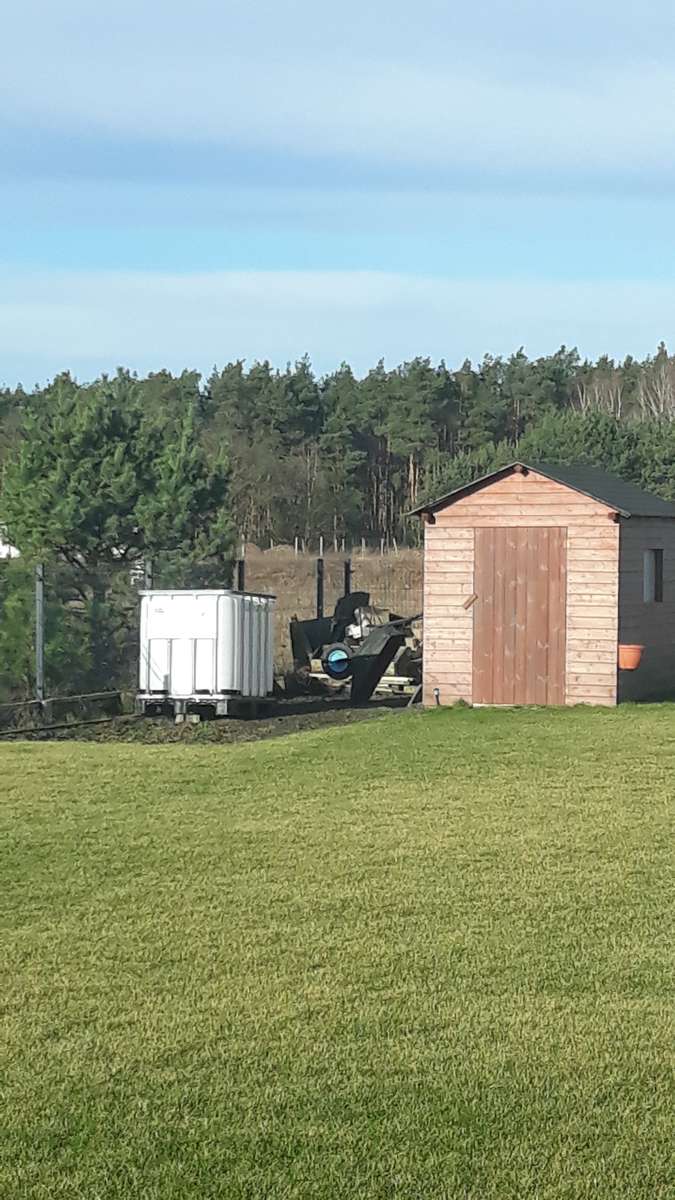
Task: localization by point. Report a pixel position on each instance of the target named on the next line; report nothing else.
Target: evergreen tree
(103, 481)
(102, 478)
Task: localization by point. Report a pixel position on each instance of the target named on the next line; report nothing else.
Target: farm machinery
(366, 648)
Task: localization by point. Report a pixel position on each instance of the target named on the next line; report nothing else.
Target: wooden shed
(532, 577)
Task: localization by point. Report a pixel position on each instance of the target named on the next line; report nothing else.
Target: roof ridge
(619, 495)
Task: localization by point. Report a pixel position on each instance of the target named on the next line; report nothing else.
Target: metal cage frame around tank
(204, 648)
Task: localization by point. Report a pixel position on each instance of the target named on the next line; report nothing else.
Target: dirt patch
(284, 716)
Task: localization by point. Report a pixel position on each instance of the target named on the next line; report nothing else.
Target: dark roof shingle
(625, 498)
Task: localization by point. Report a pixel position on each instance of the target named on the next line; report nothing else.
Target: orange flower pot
(630, 657)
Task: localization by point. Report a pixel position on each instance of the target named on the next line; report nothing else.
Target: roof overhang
(427, 511)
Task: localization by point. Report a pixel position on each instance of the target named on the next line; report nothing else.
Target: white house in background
(6, 551)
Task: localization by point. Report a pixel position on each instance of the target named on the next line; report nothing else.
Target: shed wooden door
(520, 581)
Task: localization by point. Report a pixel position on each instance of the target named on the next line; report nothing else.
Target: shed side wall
(448, 626)
(592, 584)
(648, 625)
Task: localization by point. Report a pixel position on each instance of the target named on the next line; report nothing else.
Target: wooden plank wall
(592, 584)
(649, 625)
(448, 626)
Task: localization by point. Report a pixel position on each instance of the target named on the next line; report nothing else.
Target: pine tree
(102, 481)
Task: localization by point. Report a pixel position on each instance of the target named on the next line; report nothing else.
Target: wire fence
(393, 581)
(65, 634)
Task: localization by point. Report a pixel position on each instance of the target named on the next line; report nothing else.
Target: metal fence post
(40, 633)
(241, 574)
(348, 576)
(319, 586)
(148, 574)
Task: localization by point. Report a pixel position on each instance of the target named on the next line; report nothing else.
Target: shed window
(652, 578)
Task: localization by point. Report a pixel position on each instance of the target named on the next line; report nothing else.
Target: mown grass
(428, 956)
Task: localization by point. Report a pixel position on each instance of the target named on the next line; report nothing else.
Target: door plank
(520, 661)
(557, 613)
(483, 616)
(500, 569)
(531, 616)
(509, 609)
(540, 631)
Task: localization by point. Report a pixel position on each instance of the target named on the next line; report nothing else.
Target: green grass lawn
(423, 957)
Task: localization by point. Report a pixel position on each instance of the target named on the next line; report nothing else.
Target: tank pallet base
(198, 708)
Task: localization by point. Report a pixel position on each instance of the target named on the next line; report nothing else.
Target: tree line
(347, 457)
(96, 478)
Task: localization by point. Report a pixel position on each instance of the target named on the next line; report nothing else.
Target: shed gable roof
(624, 498)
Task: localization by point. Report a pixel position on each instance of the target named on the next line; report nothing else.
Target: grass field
(428, 956)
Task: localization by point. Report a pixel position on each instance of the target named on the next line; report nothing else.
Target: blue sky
(183, 184)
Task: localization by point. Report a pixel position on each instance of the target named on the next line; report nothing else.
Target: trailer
(369, 649)
(206, 652)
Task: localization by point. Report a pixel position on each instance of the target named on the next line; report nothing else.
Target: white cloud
(93, 321)
(428, 93)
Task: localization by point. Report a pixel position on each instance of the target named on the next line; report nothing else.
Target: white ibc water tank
(207, 644)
